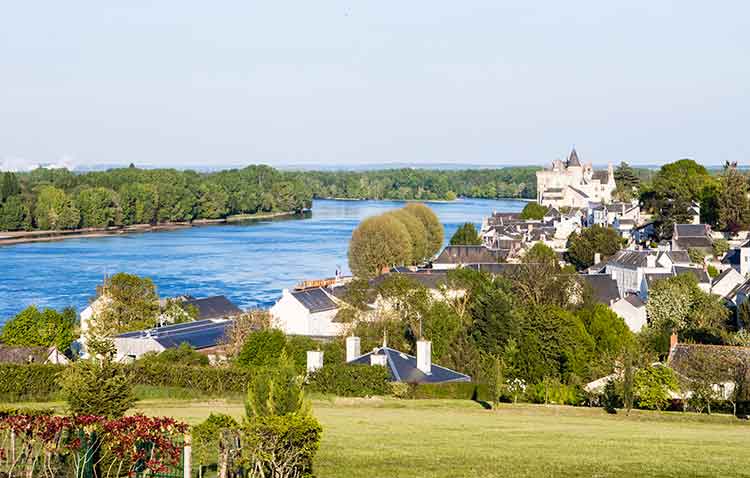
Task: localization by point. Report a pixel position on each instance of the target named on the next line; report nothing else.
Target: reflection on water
(248, 262)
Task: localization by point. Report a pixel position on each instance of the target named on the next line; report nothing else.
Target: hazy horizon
(339, 84)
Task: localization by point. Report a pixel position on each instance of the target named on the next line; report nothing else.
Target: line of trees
(59, 199)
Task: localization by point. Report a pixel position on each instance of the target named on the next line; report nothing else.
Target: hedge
(350, 380)
(210, 380)
(29, 382)
(40, 382)
(454, 390)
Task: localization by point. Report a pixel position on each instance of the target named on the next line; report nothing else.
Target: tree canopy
(533, 210)
(466, 235)
(45, 328)
(129, 303)
(583, 246)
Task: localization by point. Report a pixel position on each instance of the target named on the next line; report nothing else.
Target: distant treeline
(60, 199)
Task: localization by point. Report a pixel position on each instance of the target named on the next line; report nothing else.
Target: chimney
(597, 257)
(314, 360)
(650, 261)
(424, 356)
(352, 348)
(672, 341)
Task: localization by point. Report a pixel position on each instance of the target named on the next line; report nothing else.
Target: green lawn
(444, 438)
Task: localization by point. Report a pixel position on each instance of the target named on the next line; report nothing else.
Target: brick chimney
(673, 341)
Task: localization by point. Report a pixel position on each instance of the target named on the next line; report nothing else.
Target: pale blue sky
(196, 83)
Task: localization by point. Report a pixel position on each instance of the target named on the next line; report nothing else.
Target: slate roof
(199, 334)
(694, 242)
(677, 257)
(732, 257)
(635, 300)
(23, 355)
(601, 175)
(216, 307)
(651, 278)
(501, 268)
(573, 158)
(604, 287)
(699, 274)
(403, 368)
(680, 356)
(315, 300)
(691, 230)
(468, 255)
(630, 259)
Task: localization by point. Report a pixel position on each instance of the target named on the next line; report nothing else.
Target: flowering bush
(55, 446)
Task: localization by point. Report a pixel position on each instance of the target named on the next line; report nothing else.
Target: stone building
(573, 184)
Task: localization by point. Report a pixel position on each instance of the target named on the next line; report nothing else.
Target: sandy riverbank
(23, 237)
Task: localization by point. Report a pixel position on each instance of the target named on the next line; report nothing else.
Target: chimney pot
(424, 356)
(314, 360)
(352, 348)
(673, 341)
(597, 257)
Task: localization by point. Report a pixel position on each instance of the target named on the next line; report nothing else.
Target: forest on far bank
(56, 199)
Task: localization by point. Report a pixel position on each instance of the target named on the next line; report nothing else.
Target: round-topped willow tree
(378, 243)
(431, 223)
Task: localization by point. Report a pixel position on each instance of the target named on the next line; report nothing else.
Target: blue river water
(248, 262)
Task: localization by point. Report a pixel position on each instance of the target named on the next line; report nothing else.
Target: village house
(205, 336)
(309, 311)
(739, 258)
(453, 257)
(31, 354)
(401, 366)
(573, 184)
(692, 236)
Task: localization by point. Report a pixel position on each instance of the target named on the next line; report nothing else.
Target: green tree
(675, 187)
(734, 207)
(9, 186)
(378, 243)
(130, 303)
(533, 210)
(608, 330)
(596, 239)
(435, 232)
(627, 181)
(55, 209)
(206, 437)
(670, 302)
(417, 233)
(98, 385)
(213, 201)
(466, 235)
(15, 215)
(262, 349)
(47, 328)
(140, 204)
(720, 247)
(99, 207)
(276, 391)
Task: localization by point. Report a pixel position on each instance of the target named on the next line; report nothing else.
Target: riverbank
(24, 237)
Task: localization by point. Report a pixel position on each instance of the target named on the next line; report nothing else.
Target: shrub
(712, 271)
(276, 391)
(552, 391)
(610, 398)
(696, 255)
(454, 390)
(350, 380)
(262, 348)
(206, 438)
(281, 445)
(214, 381)
(97, 386)
(720, 247)
(652, 386)
(29, 412)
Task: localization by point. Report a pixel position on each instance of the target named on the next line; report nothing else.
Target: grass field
(443, 438)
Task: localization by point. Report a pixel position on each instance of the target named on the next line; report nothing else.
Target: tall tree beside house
(627, 182)
(673, 190)
(55, 210)
(596, 239)
(130, 303)
(417, 232)
(533, 211)
(44, 328)
(15, 215)
(466, 235)
(734, 207)
(378, 243)
(430, 221)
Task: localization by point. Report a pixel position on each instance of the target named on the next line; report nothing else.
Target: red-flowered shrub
(57, 446)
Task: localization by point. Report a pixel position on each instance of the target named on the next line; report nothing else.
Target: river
(248, 262)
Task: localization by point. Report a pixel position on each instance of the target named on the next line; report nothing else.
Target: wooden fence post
(187, 461)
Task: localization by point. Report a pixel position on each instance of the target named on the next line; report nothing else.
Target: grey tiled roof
(604, 287)
(699, 274)
(199, 334)
(216, 307)
(468, 255)
(690, 230)
(403, 368)
(314, 300)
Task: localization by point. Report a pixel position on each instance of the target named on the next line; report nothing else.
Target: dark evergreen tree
(734, 207)
(466, 235)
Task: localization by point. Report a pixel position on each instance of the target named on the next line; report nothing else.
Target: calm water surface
(248, 262)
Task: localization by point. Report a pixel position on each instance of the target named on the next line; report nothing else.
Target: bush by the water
(350, 380)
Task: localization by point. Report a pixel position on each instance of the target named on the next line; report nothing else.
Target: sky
(187, 83)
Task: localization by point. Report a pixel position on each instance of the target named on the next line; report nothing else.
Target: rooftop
(199, 334)
(216, 307)
(315, 300)
(403, 368)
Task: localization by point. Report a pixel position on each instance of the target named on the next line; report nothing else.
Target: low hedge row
(40, 382)
(455, 390)
(350, 380)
